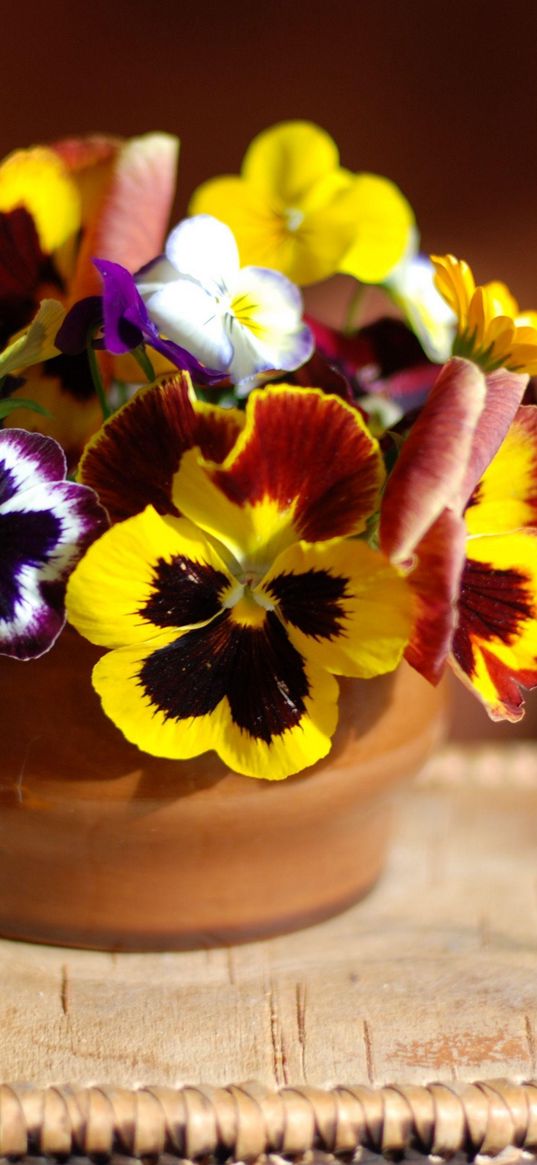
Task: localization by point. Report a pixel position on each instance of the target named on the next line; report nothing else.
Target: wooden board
(433, 976)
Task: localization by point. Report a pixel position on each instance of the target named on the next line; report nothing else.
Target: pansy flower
(125, 322)
(59, 206)
(494, 647)
(490, 328)
(241, 320)
(229, 612)
(295, 209)
(46, 524)
(460, 509)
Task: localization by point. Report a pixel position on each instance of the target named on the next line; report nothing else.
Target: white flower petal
(187, 314)
(249, 356)
(268, 299)
(204, 248)
(268, 332)
(412, 287)
(154, 274)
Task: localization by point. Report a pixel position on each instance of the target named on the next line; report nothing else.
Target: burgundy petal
(435, 582)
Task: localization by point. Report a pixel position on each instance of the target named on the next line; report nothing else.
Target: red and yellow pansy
(232, 600)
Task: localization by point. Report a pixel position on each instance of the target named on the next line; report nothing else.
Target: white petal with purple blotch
(45, 526)
(28, 459)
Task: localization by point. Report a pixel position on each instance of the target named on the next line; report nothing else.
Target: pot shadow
(54, 730)
(361, 704)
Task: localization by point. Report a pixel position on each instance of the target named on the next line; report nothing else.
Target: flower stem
(353, 310)
(97, 378)
(141, 357)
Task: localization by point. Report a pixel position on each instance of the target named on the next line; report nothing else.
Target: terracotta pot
(103, 846)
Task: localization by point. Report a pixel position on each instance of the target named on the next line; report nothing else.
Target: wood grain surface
(433, 976)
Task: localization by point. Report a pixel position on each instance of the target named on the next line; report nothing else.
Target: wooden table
(432, 977)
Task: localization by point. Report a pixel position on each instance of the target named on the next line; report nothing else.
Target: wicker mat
(247, 1122)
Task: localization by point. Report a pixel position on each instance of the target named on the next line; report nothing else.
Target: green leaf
(11, 403)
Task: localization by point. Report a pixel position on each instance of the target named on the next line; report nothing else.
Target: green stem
(353, 310)
(97, 379)
(140, 355)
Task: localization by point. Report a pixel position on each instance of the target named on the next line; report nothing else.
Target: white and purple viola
(46, 524)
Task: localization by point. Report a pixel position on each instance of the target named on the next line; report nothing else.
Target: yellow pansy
(295, 209)
(229, 613)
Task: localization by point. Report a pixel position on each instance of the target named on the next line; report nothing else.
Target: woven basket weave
(247, 1121)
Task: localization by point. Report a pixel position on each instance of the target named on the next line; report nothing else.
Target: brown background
(442, 97)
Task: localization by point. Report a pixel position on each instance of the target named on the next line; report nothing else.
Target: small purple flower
(46, 524)
(126, 324)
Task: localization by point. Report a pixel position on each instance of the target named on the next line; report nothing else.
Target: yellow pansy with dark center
(231, 610)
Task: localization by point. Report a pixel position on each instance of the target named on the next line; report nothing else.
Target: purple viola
(46, 524)
(126, 324)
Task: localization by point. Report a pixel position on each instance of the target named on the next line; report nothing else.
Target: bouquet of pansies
(237, 502)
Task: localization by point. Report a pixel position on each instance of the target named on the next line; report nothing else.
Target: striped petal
(435, 583)
(145, 575)
(243, 691)
(129, 220)
(432, 466)
(134, 456)
(506, 496)
(495, 645)
(45, 526)
(504, 394)
(305, 466)
(346, 608)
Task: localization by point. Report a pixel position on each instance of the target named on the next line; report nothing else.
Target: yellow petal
(383, 221)
(109, 592)
(346, 607)
(36, 342)
(304, 243)
(495, 645)
(286, 160)
(455, 281)
(117, 679)
(500, 299)
(506, 496)
(38, 180)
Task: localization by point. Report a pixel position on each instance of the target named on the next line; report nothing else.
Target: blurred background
(441, 97)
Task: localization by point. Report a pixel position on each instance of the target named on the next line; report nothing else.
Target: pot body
(103, 846)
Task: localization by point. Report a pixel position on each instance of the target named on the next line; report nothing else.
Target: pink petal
(433, 462)
(504, 394)
(130, 223)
